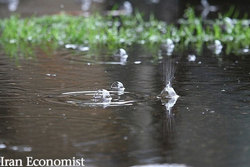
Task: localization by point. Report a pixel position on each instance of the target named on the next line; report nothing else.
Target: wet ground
(208, 125)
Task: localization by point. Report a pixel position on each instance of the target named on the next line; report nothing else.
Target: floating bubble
(117, 86)
(103, 96)
(121, 53)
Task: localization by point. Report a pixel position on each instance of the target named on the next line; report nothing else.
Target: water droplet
(117, 86)
(191, 58)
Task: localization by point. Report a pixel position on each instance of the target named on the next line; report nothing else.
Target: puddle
(55, 93)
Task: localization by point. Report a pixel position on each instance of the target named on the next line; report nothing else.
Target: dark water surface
(209, 124)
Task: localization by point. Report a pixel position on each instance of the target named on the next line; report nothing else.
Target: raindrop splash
(122, 55)
(102, 96)
(191, 58)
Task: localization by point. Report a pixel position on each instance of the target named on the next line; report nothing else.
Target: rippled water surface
(208, 126)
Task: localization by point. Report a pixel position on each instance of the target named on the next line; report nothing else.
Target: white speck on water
(203, 113)
(223, 90)
(191, 58)
(88, 64)
(199, 62)
(51, 75)
(212, 111)
(137, 62)
(125, 138)
(2, 146)
(21, 148)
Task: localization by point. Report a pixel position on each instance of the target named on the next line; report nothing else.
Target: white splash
(191, 58)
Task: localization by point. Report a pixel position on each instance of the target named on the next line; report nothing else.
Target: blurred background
(168, 10)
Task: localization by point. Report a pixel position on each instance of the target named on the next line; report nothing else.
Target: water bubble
(103, 96)
(117, 86)
(121, 53)
(191, 57)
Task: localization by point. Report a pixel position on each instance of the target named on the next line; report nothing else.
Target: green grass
(20, 36)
